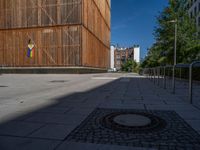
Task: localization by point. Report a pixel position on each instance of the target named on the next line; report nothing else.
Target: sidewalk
(84, 117)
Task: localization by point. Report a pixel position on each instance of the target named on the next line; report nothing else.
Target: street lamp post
(175, 46)
(175, 42)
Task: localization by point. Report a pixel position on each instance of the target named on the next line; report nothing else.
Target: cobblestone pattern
(177, 135)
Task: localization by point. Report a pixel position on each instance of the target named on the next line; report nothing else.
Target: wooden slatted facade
(64, 33)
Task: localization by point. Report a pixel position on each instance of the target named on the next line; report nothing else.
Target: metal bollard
(164, 78)
(190, 81)
(173, 80)
(154, 75)
(158, 74)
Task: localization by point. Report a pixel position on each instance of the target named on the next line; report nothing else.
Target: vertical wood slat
(95, 53)
(96, 33)
(1, 49)
(97, 20)
(50, 45)
(86, 44)
(37, 13)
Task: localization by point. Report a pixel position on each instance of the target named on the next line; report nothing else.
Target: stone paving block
(7, 115)
(54, 110)
(134, 106)
(80, 111)
(16, 143)
(88, 146)
(56, 118)
(189, 115)
(183, 107)
(180, 107)
(16, 128)
(195, 124)
(161, 103)
(23, 116)
(53, 131)
(158, 107)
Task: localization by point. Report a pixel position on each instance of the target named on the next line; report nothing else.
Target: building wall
(122, 55)
(193, 7)
(54, 46)
(64, 32)
(137, 54)
(96, 26)
(39, 13)
(112, 57)
(118, 60)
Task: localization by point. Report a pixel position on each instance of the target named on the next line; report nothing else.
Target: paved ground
(61, 111)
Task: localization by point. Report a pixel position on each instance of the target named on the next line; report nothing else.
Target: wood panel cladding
(32, 13)
(94, 51)
(54, 46)
(64, 33)
(96, 18)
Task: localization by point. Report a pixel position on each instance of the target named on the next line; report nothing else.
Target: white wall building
(137, 54)
(112, 57)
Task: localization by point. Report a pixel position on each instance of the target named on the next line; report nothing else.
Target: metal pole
(157, 75)
(154, 75)
(150, 73)
(158, 72)
(173, 80)
(190, 83)
(175, 41)
(164, 78)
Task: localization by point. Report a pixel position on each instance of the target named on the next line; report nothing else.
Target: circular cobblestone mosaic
(133, 122)
(156, 129)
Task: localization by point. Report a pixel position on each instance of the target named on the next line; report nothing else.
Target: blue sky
(133, 22)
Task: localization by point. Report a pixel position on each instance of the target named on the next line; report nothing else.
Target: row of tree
(188, 43)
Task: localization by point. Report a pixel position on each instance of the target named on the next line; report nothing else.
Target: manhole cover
(58, 81)
(3, 86)
(133, 122)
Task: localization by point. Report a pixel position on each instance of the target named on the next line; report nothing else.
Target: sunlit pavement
(72, 112)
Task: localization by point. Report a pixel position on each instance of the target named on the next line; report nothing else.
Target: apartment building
(193, 7)
(121, 55)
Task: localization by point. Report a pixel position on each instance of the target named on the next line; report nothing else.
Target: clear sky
(133, 22)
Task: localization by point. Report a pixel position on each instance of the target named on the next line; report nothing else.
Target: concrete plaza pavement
(40, 111)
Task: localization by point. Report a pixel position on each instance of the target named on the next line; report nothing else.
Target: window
(195, 11)
(199, 7)
(199, 21)
(118, 62)
(191, 15)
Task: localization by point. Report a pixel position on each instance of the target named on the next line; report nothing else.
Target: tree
(162, 52)
(130, 66)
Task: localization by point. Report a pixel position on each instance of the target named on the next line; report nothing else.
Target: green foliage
(162, 52)
(130, 66)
